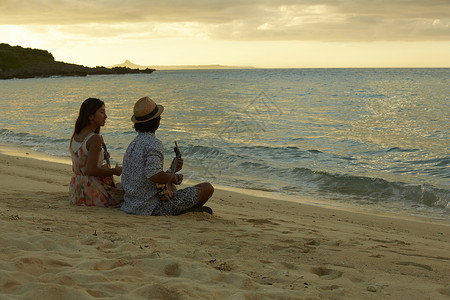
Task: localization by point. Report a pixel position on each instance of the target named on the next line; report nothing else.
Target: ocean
(374, 139)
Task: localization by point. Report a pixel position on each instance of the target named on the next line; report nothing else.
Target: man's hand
(177, 179)
(179, 164)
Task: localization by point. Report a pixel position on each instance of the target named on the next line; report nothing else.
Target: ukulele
(166, 191)
(108, 180)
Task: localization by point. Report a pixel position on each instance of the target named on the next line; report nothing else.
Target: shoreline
(252, 247)
(28, 152)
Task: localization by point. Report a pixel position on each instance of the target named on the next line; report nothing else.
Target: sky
(258, 33)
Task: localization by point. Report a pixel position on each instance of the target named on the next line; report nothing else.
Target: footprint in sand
(261, 222)
(410, 263)
(172, 270)
(445, 291)
(325, 273)
(330, 288)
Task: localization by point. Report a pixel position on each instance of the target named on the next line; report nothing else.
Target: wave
(270, 168)
(49, 145)
(374, 189)
(438, 162)
(29, 139)
(398, 149)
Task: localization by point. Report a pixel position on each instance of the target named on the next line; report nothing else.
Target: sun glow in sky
(273, 33)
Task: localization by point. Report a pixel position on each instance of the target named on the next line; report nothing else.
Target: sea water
(374, 138)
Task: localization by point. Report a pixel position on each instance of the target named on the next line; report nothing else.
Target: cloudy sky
(261, 33)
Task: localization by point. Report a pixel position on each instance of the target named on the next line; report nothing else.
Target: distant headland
(129, 64)
(18, 62)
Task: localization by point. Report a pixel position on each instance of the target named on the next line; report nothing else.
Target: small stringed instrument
(109, 180)
(166, 191)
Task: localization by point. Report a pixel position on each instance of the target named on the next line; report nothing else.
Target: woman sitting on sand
(143, 170)
(87, 187)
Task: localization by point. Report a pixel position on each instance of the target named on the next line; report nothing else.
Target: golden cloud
(315, 20)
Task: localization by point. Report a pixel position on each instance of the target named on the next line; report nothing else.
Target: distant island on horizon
(19, 62)
(129, 64)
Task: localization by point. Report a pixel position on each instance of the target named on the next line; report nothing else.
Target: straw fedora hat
(145, 110)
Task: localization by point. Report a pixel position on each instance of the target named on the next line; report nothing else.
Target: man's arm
(164, 177)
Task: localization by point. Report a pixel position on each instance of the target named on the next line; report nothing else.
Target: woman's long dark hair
(88, 107)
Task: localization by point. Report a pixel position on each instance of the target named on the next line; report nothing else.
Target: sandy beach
(251, 248)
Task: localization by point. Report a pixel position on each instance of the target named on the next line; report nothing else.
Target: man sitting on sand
(143, 169)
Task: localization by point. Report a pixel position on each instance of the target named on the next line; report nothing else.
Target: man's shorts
(182, 200)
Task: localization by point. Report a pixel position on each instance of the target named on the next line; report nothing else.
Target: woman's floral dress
(87, 190)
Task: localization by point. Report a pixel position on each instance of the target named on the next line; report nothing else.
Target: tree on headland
(17, 57)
